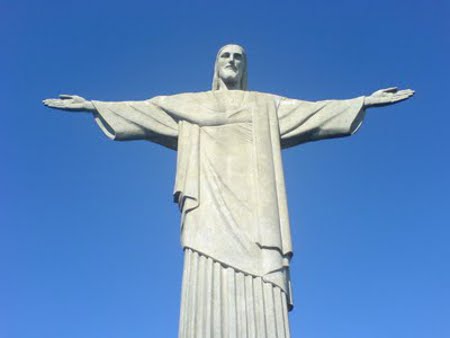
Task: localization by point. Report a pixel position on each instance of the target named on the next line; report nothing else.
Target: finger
(390, 90)
(54, 103)
(400, 98)
(66, 96)
(47, 101)
(407, 92)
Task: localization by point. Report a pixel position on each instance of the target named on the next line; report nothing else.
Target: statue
(230, 188)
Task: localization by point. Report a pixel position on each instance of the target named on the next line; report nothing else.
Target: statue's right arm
(125, 120)
(70, 102)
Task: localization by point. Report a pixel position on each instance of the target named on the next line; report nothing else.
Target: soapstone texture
(230, 188)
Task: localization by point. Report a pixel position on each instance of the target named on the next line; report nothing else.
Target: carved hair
(216, 78)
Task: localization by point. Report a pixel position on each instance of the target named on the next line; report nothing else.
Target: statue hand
(384, 97)
(69, 102)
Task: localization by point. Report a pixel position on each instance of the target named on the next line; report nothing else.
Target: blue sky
(89, 238)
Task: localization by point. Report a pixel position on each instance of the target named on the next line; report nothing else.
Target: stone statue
(230, 188)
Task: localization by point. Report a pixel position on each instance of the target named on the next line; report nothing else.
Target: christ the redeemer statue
(230, 188)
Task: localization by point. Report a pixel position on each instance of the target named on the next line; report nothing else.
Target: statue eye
(238, 56)
(225, 55)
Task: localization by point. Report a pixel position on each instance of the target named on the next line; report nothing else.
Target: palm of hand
(388, 96)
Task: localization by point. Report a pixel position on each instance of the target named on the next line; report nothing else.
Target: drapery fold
(186, 189)
(220, 302)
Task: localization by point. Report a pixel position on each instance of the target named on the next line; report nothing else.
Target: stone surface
(230, 187)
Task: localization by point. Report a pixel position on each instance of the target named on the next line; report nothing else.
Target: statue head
(230, 69)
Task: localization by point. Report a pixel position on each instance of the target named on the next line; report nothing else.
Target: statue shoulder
(269, 97)
(180, 97)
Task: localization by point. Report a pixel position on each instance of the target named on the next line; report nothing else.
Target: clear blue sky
(89, 238)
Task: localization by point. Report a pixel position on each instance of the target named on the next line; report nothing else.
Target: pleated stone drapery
(220, 302)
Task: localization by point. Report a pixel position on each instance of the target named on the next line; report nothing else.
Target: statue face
(231, 64)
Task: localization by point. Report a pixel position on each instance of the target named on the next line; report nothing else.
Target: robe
(229, 183)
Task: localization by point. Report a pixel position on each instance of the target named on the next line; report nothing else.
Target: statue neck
(231, 85)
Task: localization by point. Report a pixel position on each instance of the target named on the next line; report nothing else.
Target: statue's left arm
(303, 121)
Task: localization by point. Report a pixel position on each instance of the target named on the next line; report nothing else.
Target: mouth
(230, 67)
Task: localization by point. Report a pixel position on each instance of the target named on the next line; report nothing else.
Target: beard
(230, 76)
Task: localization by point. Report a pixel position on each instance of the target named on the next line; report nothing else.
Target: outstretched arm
(304, 121)
(127, 120)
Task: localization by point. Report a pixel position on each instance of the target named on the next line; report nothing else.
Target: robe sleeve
(303, 121)
(136, 120)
